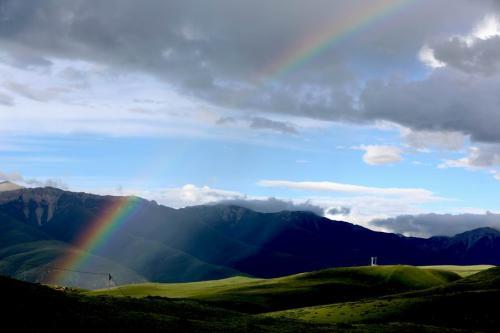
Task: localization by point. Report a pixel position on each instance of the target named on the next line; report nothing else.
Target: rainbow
(95, 236)
(303, 51)
(313, 44)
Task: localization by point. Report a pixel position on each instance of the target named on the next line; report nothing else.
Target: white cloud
(381, 154)
(426, 55)
(366, 208)
(190, 195)
(11, 176)
(415, 193)
(350, 203)
(364, 203)
(359, 205)
(187, 195)
(18, 178)
(487, 28)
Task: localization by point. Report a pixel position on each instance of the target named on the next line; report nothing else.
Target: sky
(383, 113)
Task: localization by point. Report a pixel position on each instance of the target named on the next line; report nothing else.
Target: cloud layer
(216, 52)
(349, 188)
(274, 205)
(16, 177)
(427, 225)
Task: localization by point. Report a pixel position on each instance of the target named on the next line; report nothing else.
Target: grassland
(471, 310)
(467, 303)
(356, 299)
(35, 308)
(179, 290)
(321, 287)
(463, 271)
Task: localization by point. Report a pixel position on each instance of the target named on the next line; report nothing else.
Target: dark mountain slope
(14, 232)
(290, 242)
(477, 246)
(49, 214)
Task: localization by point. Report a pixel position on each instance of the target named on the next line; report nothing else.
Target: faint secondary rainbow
(331, 33)
(95, 235)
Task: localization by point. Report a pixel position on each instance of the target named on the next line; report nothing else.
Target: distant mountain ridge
(163, 244)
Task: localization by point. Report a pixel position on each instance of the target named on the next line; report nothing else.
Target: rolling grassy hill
(320, 287)
(473, 311)
(463, 271)
(36, 308)
(193, 307)
(485, 280)
(468, 303)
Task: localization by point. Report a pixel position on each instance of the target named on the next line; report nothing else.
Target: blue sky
(396, 119)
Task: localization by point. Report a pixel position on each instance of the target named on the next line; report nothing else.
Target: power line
(46, 267)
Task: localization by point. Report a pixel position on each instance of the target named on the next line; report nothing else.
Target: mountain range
(162, 244)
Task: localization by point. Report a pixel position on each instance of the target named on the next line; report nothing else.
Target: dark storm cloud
(222, 51)
(339, 211)
(438, 224)
(25, 59)
(261, 123)
(273, 205)
(482, 57)
(268, 124)
(446, 101)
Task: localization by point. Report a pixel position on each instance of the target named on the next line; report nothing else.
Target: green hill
(461, 310)
(463, 271)
(32, 261)
(485, 280)
(468, 303)
(36, 308)
(321, 287)
(366, 299)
